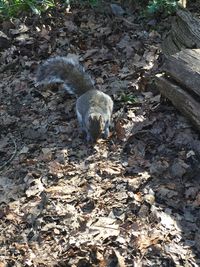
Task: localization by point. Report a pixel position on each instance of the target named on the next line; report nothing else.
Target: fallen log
(184, 33)
(184, 68)
(180, 99)
(180, 83)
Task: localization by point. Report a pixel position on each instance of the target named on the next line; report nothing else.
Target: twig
(12, 157)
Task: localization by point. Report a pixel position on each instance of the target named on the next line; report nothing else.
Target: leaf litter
(132, 200)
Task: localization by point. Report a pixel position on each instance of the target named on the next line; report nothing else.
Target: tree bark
(185, 33)
(184, 68)
(180, 83)
(180, 99)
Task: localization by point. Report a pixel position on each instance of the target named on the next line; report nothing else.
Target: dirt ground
(131, 200)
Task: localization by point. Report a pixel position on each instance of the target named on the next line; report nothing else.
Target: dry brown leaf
(145, 241)
(138, 197)
(112, 170)
(120, 258)
(61, 189)
(100, 258)
(44, 33)
(103, 228)
(120, 130)
(47, 154)
(11, 216)
(56, 168)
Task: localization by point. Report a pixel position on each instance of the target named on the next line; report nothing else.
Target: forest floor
(131, 200)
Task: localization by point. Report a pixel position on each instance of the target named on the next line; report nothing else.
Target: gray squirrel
(93, 107)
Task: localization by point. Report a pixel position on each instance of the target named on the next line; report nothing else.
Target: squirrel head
(96, 125)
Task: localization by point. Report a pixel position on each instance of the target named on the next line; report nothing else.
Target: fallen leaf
(120, 130)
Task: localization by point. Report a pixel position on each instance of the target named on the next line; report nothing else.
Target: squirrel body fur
(93, 107)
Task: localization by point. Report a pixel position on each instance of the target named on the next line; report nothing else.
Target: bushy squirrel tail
(66, 71)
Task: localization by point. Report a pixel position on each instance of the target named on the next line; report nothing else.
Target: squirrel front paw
(88, 137)
(106, 133)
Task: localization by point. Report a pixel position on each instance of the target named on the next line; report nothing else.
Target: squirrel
(93, 107)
